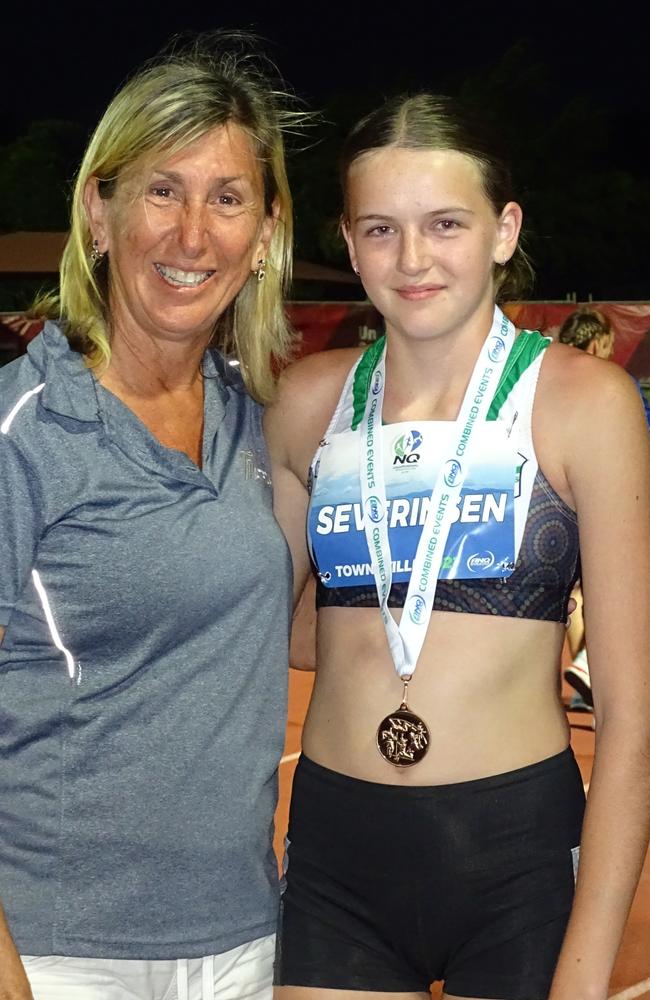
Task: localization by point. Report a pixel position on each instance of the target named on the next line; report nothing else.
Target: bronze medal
(403, 737)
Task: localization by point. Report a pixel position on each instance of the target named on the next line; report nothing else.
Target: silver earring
(261, 269)
(96, 255)
(356, 271)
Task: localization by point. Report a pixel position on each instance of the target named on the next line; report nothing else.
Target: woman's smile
(178, 278)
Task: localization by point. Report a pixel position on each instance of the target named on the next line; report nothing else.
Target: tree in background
(582, 181)
(36, 171)
(581, 177)
(584, 189)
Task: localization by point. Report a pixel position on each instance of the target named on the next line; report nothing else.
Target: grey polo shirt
(143, 670)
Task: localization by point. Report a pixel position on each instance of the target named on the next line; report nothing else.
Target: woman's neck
(147, 367)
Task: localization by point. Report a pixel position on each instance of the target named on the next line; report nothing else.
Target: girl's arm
(302, 654)
(290, 497)
(294, 424)
(607, 464)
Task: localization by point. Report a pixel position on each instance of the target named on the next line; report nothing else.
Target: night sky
(60, 64)
(576, 108)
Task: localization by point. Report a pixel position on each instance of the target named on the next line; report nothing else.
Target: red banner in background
(630, 322)
(325, 325)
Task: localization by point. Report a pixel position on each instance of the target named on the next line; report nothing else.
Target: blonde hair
(178, 97)
(430, 121)
(583, 326)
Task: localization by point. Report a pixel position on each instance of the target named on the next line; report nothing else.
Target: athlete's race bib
(481, 541)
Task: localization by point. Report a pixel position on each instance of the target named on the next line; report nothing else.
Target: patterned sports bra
(547, 562)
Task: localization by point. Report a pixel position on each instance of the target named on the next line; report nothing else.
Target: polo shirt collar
(69, 385)
(71, 390)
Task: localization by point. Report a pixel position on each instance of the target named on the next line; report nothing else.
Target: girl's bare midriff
(488, 689)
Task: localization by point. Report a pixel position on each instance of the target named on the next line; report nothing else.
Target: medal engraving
(402, 738)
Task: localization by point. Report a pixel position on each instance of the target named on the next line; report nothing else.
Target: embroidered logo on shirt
(251, 468)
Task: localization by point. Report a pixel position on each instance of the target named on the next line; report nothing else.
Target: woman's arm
(607, 461)
(13, 981)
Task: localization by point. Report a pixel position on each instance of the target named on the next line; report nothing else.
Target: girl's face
(424, 238)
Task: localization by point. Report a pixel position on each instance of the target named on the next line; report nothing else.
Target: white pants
(245, 973)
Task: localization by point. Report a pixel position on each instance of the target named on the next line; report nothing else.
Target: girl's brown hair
(429, 121)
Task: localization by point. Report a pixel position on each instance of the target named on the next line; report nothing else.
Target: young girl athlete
(437, 816)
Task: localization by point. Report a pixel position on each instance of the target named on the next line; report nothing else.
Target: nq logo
(405, 448)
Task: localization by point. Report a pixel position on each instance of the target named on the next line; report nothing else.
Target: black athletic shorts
(391, 888)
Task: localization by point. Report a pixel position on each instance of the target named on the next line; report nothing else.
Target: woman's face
(425, 238)
(182, 235)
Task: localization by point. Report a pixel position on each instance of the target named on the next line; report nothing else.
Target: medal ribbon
(406, 639)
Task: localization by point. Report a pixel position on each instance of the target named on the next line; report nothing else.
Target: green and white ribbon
(406, 639)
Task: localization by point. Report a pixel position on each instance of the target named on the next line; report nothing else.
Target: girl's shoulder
(315, 382)
(593, 446)
(572, 380)
(307, 395)
(329, 365)
(585, 406)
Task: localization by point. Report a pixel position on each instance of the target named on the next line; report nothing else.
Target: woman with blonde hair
(436, 828)
(589, 330)
(144, 590)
